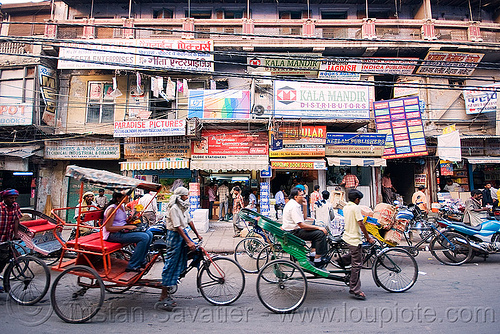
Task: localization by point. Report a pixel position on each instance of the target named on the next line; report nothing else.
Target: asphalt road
(444, 300)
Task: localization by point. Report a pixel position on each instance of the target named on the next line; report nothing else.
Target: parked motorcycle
(484, 239)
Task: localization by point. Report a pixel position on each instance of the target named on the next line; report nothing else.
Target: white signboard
(131, 53)
(82, 150)
(16, 114)
(406, 88)
(318, 100)
(150, 128)
(450, 63)
(481, 99)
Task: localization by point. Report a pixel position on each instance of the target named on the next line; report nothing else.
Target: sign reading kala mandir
(82, 150)
(323, 101)
(355, 144)
(150, 128)
(401, 121)
(144, 53)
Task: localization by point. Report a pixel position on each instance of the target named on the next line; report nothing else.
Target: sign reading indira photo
(317, 100)
(150, 128)
(355, 144)
(149, 53)
(217, 144)
(82, 150)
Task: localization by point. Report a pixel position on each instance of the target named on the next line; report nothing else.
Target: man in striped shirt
(223, 193)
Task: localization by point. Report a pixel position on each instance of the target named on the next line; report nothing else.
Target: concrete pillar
(474, 32)
(248, 28)
(368, 29)
(188, 27)
(308, 28)
(89, 28)
(128, 33)
(50, 30)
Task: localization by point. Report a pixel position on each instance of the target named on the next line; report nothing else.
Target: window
(162, 13)
(200, 14)
(291, 15)
(101, 103)
(333, 15)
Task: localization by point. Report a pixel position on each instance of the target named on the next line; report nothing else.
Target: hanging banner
(150, 128)
(218, 143)
(137, 54)
(481, 99)
(450, 63)
(288, 143)
(321, 101)
(48, 89)
(355, 144)
(219, 104)
(401, 121)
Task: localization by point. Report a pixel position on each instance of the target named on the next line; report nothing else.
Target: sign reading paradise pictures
(310, 143)
(133, 53)
(150, 128)
(318, 100)
(355, 144)
(401, 121)
(450, 63)
(219, 104)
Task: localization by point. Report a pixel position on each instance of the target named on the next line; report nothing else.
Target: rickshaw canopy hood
(109, 180)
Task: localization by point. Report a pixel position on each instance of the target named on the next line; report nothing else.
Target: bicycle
(26, 278)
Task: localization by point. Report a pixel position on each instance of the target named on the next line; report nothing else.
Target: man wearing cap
(420, 200)
(88, 204)
(10, 212)
(178, 244)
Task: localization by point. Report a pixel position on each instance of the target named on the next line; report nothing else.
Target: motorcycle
(484, 239)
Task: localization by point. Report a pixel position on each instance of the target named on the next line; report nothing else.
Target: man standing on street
(148, 202)
(101, 200)
(237, 206)
(350, 182)
(223, 193)
(352, 236)
(10, 213)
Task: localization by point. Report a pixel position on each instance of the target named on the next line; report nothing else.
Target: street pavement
(219, 238)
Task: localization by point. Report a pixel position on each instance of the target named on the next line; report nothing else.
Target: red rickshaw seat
(92, 242)
(38, 225)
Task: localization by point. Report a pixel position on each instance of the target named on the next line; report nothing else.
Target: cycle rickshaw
(282, 284)
(78, 291)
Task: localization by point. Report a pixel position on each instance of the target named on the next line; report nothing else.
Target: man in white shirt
(352, 236)
(293, 222)
(451, 186)
(148, 201)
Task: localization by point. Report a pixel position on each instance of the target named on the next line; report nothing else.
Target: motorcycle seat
(470, 227)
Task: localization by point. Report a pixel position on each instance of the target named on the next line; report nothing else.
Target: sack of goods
(395, 234)
(384, 213)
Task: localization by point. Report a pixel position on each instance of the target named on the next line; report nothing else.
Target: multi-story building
(288, 82)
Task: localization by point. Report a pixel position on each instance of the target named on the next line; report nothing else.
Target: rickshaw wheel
(281, 286)
(27, 279)
(270, 253)
(221, 281)
(77, 294)
(246, 253)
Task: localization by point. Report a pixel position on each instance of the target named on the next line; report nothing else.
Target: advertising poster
(219, 104)
(446, 168)
(481, 99)
(401, 121)
(322, 101)
(148, 148)
(218, 144)
(48, 90)
(76, 149)
(420, 180)
(351, 69)
(355, 144)
(264, 198)
(288, 143)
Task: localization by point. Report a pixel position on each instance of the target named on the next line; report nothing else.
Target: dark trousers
(210, 209)
(355, 258)
(317, 237)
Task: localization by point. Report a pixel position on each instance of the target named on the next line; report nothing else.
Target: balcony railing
(233, 29)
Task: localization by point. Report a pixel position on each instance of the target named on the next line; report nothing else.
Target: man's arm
(368, 237)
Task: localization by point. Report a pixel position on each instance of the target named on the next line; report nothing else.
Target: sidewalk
(219, 238)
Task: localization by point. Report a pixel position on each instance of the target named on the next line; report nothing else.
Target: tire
(271, 253)
(221, 281)
(246, 254)
(51, 258)
(395, 270)
(281, 286)
(113, 287)
(495, 237)
(77, 294)
(445, 248)
(369, 257)
(27, 280)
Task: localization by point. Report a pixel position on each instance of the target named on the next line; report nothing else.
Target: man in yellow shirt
(352, 236)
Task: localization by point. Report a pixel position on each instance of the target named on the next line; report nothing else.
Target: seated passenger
(117, 229)
(293, 221)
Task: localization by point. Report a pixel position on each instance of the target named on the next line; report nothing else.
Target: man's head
(88, 197)
(348, 171)
(236, 190)
(487, 186)
(325, 194)
(449, 182)
(476, 193)
(316, 187)
(9, 196)
(421, 188)
(101, 192)
(297, 194)
(355, 196)
(182, 192)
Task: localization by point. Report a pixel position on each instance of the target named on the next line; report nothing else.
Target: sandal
(360, 296)
(167, 304)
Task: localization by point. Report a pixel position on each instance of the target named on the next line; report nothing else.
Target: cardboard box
(200, 220)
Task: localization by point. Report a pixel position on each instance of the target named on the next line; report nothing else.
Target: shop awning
(21, 151)
(146, 165)
(483, 160)
(364, 162)
(300, 164)
(232, 164)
